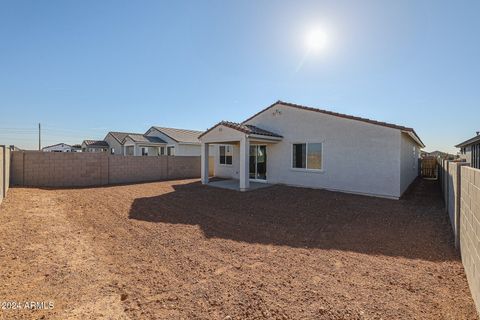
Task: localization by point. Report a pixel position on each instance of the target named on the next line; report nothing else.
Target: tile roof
(119, 136)
(245, 128)
(180, 135)
(340, 115)
(469, 142)
(96, 143)
(142, 138)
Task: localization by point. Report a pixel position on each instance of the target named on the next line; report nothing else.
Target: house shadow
(414, 227)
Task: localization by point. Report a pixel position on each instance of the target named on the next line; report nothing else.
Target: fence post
(4, 165)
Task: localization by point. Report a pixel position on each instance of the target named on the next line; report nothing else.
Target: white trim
(306, 169)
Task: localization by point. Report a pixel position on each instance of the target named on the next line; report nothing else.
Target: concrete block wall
(55, 169)
(125, 169)
(470, 228)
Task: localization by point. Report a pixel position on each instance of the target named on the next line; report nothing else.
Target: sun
(316, 40)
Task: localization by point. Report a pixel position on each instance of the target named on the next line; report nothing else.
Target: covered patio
(242, 136)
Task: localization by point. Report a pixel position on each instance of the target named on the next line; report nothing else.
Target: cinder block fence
(55, 169)
(461, 190)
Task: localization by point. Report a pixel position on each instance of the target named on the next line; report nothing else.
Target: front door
(258, 162)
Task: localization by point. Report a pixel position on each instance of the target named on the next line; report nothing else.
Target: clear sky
(83, 68)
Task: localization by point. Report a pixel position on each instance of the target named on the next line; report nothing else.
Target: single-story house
(302, 146)
(59, 147)
(142, 145)
(179, 142)
(94, 146)
(470, 151)
(115, 141)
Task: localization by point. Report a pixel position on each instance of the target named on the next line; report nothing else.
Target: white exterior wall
(358, 157)
(410, 154)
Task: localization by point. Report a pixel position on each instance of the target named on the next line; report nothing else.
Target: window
(112, 151)
(144, 151)
(226, 156)
(170, 151)
(307, 156)
(162, 151)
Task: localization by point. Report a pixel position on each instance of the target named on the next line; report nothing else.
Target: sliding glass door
(258, 162)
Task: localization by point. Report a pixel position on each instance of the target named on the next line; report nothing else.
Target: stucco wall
(113, 143)
(45, 169)
(410, 153)
(357, 157)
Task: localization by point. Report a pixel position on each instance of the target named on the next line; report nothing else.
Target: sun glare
(316, 40)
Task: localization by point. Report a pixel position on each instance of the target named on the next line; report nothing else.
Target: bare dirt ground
(179, 250)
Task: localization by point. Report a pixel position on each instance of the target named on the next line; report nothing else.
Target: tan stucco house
(297, 145)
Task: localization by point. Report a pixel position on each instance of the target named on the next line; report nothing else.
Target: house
(76, 148)
(470, 151)
(94, 146)
(115, 141)
(302, 146)
(142, 145)
(59, 147)
(179, 142)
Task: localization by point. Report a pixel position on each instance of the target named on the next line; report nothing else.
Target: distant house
(470, 151)
(179, 142)
(95, 146)
(438, 154)
(115, 141)
(142, 145)
(76, 148)
(302, 146)
(59, 147)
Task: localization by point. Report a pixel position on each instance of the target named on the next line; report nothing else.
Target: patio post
(244, 163)
(204, 163)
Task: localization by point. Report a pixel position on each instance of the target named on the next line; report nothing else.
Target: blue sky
(83, 68)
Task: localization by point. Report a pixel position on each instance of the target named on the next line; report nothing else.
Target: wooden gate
(429, 167)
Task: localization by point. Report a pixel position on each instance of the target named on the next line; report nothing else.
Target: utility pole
(39, 138)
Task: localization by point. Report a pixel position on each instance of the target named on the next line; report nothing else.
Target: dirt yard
(179, 250)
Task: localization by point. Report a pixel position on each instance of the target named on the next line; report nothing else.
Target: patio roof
(144, 139)
(245, 128)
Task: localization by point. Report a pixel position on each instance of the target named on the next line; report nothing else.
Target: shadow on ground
(414, 227)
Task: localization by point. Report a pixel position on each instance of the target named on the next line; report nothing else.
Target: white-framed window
(144, 151)
(226, 155)
(112, 151)
(308, 156)
(170, 151)
(162, 151)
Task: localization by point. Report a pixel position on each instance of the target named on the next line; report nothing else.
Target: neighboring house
(94, 146)
(301, 146)
(470, 151)
(59, 147)
(179, 142)
(142, 145)
(115, 141)
(76, 148)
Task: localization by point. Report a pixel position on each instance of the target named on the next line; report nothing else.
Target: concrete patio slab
(234, 184)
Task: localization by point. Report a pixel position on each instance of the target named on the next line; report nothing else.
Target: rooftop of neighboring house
(180, 135)
(95, 143)
(57, 145)
(142, 138)
(120, 136)
(470, 141)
